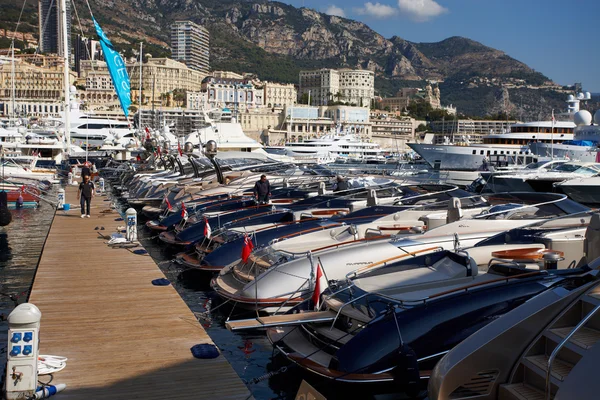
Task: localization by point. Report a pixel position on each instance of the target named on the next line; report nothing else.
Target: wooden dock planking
(124, 337)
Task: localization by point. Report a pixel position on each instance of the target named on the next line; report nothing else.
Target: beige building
(324, 86)
(161, 78)
(392, 133)
(467, 130)
(255, 121)
(279, 95)
(39, 91)
(404, 96)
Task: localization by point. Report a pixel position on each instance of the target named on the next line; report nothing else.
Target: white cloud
(421, 10)
(335, 10)
(376, 10)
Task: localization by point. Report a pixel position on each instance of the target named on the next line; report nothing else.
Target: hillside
(275, 41)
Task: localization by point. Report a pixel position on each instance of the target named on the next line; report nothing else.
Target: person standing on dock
(85, 194)
(262, 190)
(85, 170)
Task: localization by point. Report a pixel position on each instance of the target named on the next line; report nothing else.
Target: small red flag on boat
(184, 213)
(179, 149)
(207, 229)
(320, 285)
(147, 133)
(169, 206)
(247, 248)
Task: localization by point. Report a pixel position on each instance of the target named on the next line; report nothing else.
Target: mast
(140, 96)
(12, 62)
(67, 87)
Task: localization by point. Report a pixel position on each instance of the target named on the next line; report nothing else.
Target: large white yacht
(583, 147)
(522, 144)
(340, 145)
(510, 147)
(87, 130)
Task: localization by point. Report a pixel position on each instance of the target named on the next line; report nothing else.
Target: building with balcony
(325, 86)
(190, 44)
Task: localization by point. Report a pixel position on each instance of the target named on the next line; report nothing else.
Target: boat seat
(454, 211)
(416, 279)
(509, 269)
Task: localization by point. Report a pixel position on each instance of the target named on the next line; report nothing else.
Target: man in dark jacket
(262, 190)
(85, 194)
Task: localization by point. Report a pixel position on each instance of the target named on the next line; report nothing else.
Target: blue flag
(116, 68)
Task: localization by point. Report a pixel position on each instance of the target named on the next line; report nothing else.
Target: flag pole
(552, 138)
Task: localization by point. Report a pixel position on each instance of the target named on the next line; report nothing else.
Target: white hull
(468, 158)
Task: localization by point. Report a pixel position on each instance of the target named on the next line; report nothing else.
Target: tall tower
(190, 45)
(50, 27)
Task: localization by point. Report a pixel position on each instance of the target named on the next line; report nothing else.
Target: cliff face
(276, 40)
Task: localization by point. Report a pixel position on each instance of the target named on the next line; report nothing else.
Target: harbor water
(21, 244)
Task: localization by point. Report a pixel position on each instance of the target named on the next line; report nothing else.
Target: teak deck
(124, 337)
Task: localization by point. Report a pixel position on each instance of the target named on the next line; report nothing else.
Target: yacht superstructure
(344, 145)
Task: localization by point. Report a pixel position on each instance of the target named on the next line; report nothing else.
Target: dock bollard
(70, 178)
(101, 185)
(61, 199)
(22, 351)
(131, 218)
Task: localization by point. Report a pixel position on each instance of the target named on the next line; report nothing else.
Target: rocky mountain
(275, 40)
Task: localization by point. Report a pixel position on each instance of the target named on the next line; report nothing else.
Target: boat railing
(548, 388)
(402, 303)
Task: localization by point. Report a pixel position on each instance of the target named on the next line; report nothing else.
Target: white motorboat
(543, 180)
(289, 281)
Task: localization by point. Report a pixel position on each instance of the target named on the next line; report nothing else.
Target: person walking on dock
(262, 190)
(85, 194)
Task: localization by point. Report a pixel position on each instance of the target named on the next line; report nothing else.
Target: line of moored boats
(390, 283)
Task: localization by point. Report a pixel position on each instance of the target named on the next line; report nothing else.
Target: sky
(558, 38)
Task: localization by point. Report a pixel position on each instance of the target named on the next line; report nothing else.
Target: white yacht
(583, 147)
(523, 144)
(334, 145)
(89, 131)
(497, 148)
(228, 135)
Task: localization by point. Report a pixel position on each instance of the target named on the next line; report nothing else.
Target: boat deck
(124, 337)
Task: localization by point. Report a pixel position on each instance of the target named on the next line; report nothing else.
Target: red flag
(184, 213)
(247, 249)
(207, 230)
(320, 285)
(179, 149)
(169, 206)
(147, 133)
(159, 151)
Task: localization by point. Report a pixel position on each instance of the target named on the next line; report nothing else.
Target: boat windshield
(528, 233)
(584, 170)
(529, 206)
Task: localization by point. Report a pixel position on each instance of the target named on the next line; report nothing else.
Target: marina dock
(124, 337)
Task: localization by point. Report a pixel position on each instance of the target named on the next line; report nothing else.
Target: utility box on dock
(131, 219)
(22, 352)
(61, 199)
